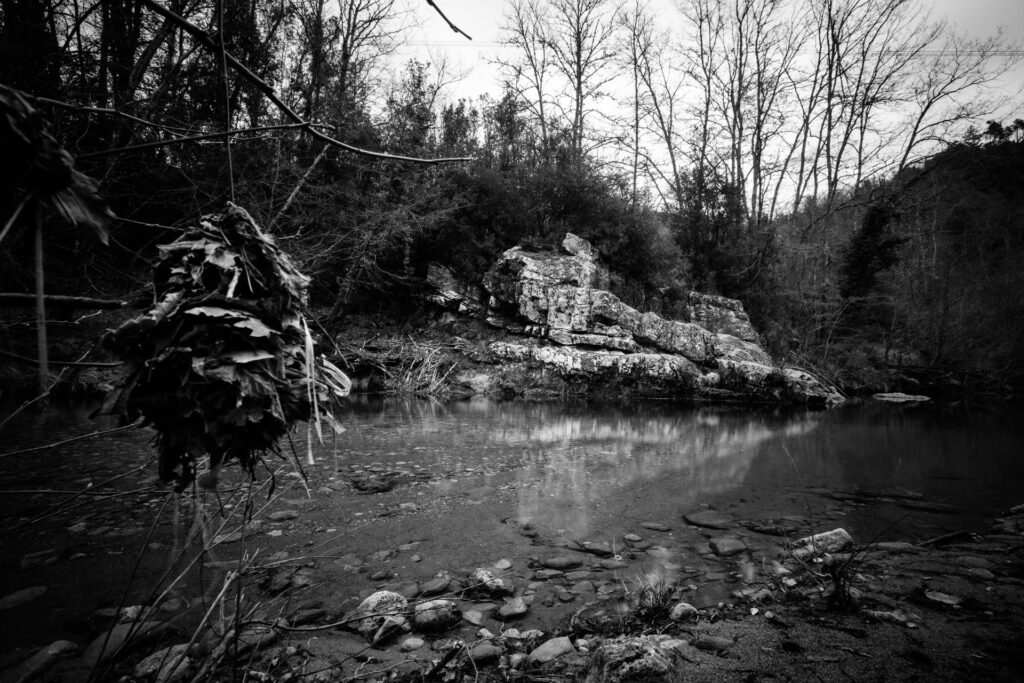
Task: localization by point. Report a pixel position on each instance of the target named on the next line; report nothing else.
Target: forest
(849, 169)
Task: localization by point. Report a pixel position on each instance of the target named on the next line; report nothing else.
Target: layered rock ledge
(563, 332)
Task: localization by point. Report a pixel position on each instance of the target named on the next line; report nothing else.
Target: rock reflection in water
(575, 464)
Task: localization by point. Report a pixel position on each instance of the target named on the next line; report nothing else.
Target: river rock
(474, 617)
(896, 397)
(819, 544)
(631, 659)
(607, 616)
(36, 665)
(726, 546)
(22, 597)
(514, 608)
(434, 586)
(283, 515)
(107, 644)
(683, 611)
(552, 649)
(614, 564)
(599, 548)
(709, 519)
(484, 652)
(503, 565)
(655, 526)
(165, 666)
(435, 615)
(484, 581)
(255, 637)
(379, 615)
(632, 538)
(411, 644)
(562, 563)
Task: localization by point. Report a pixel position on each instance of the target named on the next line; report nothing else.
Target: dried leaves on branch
(36, 165)
(223, 363)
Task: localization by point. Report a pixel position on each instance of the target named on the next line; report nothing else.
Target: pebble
(503, 565)
(632, 538)
(283, 515)
(474, 617)
(655, 526)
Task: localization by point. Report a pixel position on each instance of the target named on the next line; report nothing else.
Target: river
(465, 479)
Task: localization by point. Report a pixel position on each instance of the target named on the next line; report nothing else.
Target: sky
(482, 19)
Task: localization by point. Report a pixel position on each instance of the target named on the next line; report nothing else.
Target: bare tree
(580, 38)
(525, 29)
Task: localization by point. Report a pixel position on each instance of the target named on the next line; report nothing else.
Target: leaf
(215, 312)
(242, 357)
(255, 327)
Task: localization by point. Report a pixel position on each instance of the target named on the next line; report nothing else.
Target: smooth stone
(166, 666)
(474, 617)
(22, 597)
(632, 538)
(41, 558)
(709, 519)
(283, 515)
(503, 565)
(484, 652)
(712, 643)
(435, 586)
(411, 644)
(683, 611)
(655, 526)
(552, 649)
(40, 662)
(578, 575)
(548, 574)
(725, 546)
(562, 562)
(614, 564)
(515, 607)
(107, 644)
(436, 615)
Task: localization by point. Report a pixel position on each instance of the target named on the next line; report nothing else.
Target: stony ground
(367, 578)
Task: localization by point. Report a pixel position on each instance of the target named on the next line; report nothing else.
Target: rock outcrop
(566, 333)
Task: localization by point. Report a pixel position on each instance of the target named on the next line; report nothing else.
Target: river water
(463, 472)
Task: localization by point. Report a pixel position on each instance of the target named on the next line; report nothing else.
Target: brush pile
(223, 364)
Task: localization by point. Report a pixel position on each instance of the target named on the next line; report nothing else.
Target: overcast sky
(482, 19)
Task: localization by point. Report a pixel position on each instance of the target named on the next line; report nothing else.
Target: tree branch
(264, 87)
(13, 299)
(447, 20)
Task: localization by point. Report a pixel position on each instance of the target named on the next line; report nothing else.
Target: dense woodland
(847, 168)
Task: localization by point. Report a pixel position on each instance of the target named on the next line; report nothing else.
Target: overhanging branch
(264, 87)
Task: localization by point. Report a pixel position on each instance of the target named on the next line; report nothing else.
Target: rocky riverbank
(704, 594)
(558, 331)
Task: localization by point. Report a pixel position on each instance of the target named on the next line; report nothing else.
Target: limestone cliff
(563, 328)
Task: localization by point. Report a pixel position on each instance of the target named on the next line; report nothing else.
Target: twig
(189, 138)
(14, 216)
(98, 432)
(65, 363)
